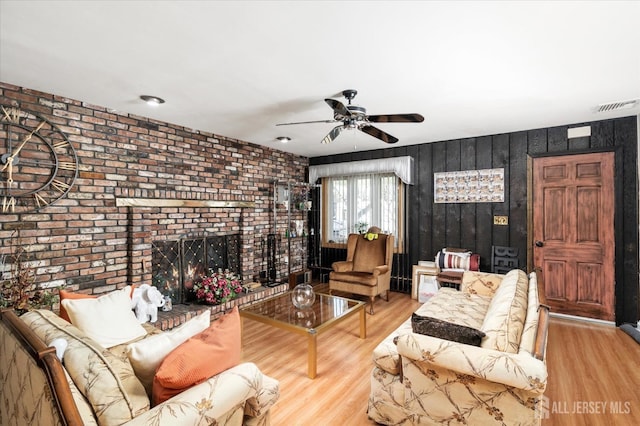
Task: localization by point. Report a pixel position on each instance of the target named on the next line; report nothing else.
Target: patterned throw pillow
(107, 382)
(505, 317)
(456, 260)
(446, 330)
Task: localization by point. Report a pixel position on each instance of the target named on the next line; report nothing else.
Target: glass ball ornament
(303, 296)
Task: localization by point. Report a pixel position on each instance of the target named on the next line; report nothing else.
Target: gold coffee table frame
(326, 312)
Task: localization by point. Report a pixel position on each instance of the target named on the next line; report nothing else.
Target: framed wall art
(469, 186)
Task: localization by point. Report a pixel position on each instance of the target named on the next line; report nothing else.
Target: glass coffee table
(326, 312)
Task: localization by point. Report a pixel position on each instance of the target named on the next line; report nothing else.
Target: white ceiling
(238, 68)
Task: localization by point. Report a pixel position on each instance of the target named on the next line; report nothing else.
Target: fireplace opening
(177, 264)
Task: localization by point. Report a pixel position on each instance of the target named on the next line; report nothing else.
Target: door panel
(574, 234)
(554, 272)
(552, 172)
(590, 291)
(554, 214)
(588, 199)
(584, 170)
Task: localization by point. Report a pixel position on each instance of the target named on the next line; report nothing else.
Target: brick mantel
(164, 202)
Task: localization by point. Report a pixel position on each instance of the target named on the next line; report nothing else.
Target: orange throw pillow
(69, 295)
(204, 355)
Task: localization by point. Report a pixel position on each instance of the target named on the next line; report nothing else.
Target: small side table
(450, 279)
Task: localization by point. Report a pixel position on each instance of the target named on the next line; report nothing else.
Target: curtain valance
(400, 166)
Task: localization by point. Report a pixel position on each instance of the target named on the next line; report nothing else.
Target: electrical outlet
(501, 220)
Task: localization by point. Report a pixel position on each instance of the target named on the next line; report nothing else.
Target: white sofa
(38, 390)
(419, 379)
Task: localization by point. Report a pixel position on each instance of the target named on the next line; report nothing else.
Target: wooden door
(573, 234)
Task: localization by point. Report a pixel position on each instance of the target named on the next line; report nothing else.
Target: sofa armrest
(342, 266)
(215, 399)
(521, 371)
(380, 270)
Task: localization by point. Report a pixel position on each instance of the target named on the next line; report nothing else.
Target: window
(352, 204)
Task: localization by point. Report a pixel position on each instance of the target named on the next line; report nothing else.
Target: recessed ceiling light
(152, 100)
(283, 139)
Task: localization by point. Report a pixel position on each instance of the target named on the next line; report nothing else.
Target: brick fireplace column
(247, 244)
(139, 240)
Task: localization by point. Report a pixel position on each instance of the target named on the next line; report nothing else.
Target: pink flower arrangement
(219, 287)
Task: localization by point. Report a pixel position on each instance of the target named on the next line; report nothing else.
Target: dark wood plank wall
(434, 226)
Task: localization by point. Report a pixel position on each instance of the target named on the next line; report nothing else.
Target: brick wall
(87, 243)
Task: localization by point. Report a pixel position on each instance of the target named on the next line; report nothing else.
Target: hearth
(177, 264)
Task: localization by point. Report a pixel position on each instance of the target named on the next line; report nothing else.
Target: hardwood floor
(592, 367)
(588, 366)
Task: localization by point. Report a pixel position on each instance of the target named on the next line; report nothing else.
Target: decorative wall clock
(38, 164)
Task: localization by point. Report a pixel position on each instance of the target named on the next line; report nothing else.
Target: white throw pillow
(146, 355)
(108, 319)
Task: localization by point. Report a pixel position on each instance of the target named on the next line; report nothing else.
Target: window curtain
(359, 202)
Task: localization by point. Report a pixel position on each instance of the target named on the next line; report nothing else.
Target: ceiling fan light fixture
(152, 100)
(283, 139)
(355, 117)
(357, 110)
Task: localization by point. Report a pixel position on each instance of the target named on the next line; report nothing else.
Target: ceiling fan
(355, 117)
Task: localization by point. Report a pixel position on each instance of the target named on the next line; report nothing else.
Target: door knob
(539, 243)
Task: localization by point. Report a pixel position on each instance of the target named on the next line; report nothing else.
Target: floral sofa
(98, 386)
(419, 379)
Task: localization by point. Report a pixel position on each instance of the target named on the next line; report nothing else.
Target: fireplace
(177, 264)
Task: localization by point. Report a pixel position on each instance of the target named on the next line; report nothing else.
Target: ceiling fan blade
(338, 107)
(377, 133)
(396, 118)
(307, 122)
(332, 134)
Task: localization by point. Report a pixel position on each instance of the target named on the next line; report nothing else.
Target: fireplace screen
(165, 261)
(178, 264)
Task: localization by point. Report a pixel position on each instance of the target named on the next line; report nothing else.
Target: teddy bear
(145, 301)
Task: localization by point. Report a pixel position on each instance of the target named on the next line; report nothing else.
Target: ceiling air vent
(614, 106)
